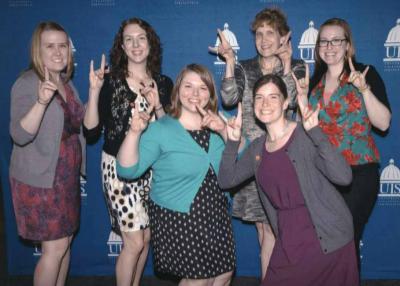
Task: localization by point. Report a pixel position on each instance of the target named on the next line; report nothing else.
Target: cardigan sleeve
(234, 170)
(149, 152)
(232, 88)
(328, 159)
(377, 86)
(23, 96)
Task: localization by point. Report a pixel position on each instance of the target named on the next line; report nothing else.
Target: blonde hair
(36, 61)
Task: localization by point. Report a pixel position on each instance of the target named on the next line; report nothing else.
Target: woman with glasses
(353, 99)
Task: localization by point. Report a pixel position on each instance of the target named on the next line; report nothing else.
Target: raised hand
(302, 86)
(139, 120)
(284, 52)
(211, 120)
(234, 125)
(96, 77)
(224, 49)
(150, 92)
(358, 78)
(309, 116)
(47, 88)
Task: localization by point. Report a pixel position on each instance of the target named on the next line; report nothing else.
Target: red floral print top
(345, 121)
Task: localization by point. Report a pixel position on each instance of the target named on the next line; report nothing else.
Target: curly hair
(205, 75)
(272, 17)
(118, 58)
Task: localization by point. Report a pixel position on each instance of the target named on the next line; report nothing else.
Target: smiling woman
(353, 100)
(46, 116)
(134, 79)
(191, 229)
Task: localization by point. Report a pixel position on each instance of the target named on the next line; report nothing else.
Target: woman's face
(193, 92)
(269, 104)
(54, 50)
(329, 53)
(268, 40)
(135, 44)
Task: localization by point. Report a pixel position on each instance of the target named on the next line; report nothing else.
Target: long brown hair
(36, 61)
(118, 58)
(205, 75)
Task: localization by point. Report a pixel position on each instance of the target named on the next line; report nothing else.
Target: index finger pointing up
(103, 62)
(239, 111)
(46, 74)
(201, 110)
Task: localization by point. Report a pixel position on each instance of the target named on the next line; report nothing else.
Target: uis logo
(114, 244)
(231, 38)
(37, 251)
(392, 46)
(83, 187)
(307, 43)
(389, 192)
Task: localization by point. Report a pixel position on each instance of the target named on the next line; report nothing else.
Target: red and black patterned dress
(44, 214)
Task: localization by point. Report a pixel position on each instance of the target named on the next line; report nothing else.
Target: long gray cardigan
(34, 156)
(317, 165)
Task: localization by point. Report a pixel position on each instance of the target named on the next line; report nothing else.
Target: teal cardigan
(179, 164)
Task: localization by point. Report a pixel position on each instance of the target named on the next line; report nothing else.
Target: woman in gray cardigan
(295, 168)
(46, 116)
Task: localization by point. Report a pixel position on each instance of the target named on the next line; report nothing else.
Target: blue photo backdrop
(186, 29)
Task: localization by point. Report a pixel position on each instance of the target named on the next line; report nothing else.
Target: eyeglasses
(334, 42)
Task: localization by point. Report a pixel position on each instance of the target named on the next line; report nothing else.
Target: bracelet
(364, 88)
(158, 108)
(42, 103)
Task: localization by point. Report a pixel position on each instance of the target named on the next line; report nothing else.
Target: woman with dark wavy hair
(134, 80)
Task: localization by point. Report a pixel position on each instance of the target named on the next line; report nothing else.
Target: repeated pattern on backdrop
(186, 29)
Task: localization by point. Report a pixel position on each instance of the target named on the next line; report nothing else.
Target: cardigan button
(320, 238)
(325, 250)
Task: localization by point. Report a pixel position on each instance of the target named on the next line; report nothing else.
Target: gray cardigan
(317, 165)
(34, 156)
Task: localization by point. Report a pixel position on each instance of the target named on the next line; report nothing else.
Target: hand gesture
(302, 86)
(211, 120)
(139, 120)
(96, 77)
(309, 117)
(224, 49)
(150, 92)
(234, 125)
(47, 88)
(357, 78)
(284, 53)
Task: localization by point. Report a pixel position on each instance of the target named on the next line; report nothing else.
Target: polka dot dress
(126, 200)
(199, 244)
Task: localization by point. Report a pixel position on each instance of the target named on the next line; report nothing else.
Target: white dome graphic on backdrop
(389, 192)
(307, 43)
(114, 243)
(392, 44)
(231, 38)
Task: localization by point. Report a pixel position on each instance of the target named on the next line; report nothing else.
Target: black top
(115, 110)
